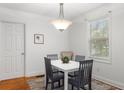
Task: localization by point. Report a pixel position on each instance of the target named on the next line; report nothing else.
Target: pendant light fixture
(60, 23)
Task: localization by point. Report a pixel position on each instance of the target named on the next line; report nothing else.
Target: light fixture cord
(61, 13)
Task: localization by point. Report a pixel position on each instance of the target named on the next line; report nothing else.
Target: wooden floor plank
(15, 84)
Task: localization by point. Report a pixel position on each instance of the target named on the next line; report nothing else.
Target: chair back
(85, 72)
(79, 58)
(69, 54)
(48, 67)
(52, 56)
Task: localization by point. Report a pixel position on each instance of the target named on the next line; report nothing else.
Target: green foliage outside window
(99, 38)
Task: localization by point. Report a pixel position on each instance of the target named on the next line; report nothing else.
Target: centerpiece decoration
(65, 59)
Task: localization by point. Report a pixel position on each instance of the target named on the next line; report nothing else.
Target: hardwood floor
(21, 83)
(15, 84)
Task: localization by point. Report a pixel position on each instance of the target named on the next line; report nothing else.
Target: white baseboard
(33, 74)
(108, 81)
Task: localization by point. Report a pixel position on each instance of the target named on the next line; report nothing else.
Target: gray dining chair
(68, 54)
(53, 57)
(84, 77)
(50, 76)
(78, 58)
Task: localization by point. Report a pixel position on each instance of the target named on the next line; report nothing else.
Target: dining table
(66, 68)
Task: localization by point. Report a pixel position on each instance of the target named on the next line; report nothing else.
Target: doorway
(12, 50)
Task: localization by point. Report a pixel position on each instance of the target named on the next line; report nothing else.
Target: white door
(11, 50)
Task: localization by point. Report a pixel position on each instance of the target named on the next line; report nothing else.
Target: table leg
(65, 80)
(45, 80)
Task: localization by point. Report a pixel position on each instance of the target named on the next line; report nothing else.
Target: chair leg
(78, 88)
(63, 82)
(52, 85)
(46, 83)
(72, 87)
(59, 83)
(46, 86)
(90, 86)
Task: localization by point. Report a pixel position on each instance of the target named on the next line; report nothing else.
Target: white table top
(71, 66)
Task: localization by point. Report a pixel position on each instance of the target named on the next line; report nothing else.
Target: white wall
(54, 41)
(77, 38)
(110, 73)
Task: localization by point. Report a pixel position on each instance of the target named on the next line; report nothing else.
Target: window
(99, 38)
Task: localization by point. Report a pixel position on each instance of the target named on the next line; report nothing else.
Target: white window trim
(101, 59)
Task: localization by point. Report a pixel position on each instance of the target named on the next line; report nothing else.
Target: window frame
(96, 58)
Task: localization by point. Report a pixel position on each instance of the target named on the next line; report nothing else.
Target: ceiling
(71, 10)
